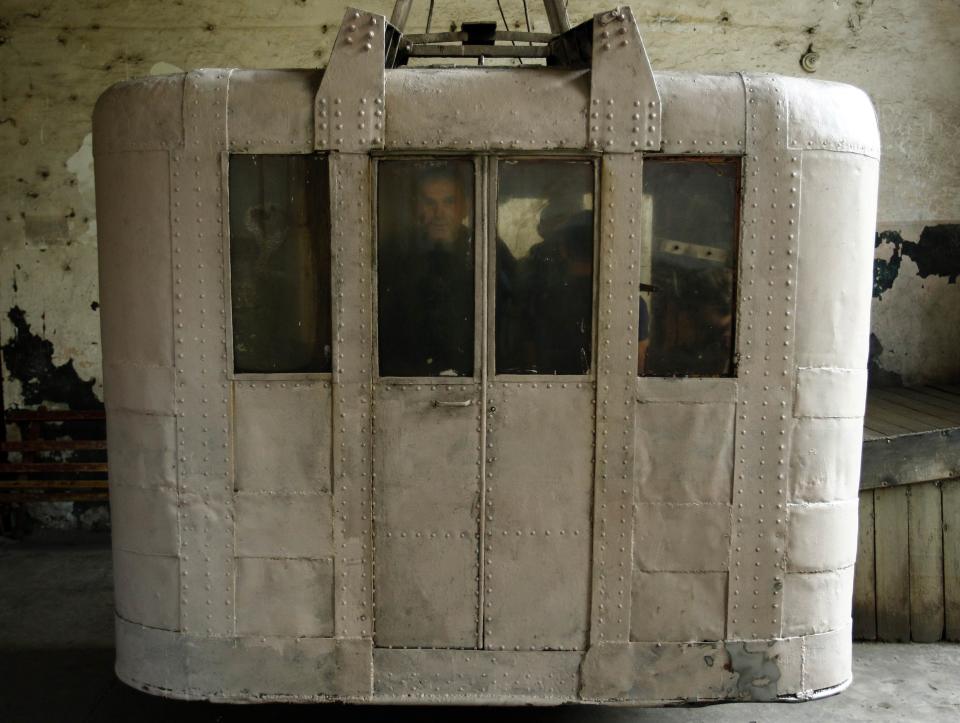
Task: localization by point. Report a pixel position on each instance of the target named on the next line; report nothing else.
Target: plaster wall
(56, 57)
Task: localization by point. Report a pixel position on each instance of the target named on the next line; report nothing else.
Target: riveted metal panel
(678, 605)
(134, 233)
(204, 468)
(348, 111)
(426, 587)
(536, 588)
(693, 537)
(554, 102)
(825, 464)
(840, 204)
(351, 259)
(822, 536)
(484, 676)
(145, 589)
(149, 655)
(284, 597)
(427, 458)
(144, 519)
(655, 672)
(142, 449)
(624, 101)
(831, 116)
(271, 111)
(817, 602)
(146, 388)
(767, 305)
(288, 669)
(540, 457)
(427, 499)
(617, 295)
(831, 392)
(696, 466)
(693, 672)
(687, 390)
(827, 660)
(283, 435)
(139, 115)
(687, 128)
(284, 525)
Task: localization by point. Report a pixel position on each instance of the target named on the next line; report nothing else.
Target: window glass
(280, 263)
(690, 215)
(425, 268)
(544, 267)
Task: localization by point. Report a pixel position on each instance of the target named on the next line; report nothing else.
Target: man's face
(440, 209)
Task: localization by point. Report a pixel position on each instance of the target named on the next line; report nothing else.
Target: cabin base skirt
(312, 670)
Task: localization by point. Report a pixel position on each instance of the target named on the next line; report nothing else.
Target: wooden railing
(81, 476)
(907, 578)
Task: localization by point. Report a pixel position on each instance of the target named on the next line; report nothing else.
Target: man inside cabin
(426, 276)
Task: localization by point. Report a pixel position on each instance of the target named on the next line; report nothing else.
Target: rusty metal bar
(51, 467)
(55, 497)
(53, 415)
(78, 484)
(53, 445)
(459, 37)
(476, 51)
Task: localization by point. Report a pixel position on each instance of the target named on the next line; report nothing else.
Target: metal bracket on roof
(349, 107)
(624, 100)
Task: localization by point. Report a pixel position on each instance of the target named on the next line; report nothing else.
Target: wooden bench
(907, 579)
(80, 477)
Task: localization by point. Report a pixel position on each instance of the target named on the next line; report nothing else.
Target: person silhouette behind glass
(426, 283)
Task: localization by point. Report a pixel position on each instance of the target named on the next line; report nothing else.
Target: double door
(484, 402)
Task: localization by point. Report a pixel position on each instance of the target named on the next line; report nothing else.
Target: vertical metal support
(484, 210)
(617, 319)
(401, 10)
(203, 392)
(624, 100)
(556, 15)
(349, 108)
(767, 306)
(351, 255)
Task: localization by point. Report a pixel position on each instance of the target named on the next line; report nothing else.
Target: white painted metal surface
(613, 538)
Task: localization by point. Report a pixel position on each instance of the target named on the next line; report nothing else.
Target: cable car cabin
(485, 384)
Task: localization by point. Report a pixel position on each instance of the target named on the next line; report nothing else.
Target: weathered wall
(57, 56)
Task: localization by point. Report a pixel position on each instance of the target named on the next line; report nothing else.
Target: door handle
(451, 403)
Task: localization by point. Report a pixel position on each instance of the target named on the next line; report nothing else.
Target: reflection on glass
(280, 263)
(544, 285)
(690, 211)
(425, 269)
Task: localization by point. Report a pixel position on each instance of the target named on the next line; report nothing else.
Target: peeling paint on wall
(937, 253)
(916, 307)
(80, 164)
(28, 359)
(886, 264)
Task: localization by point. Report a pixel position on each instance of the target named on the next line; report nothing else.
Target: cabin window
(687, 306)
(426, 262)
(280, 263)
(544, 267)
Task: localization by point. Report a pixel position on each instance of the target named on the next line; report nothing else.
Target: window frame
(232, 374)
(736, 160)
(477, 160)
(494, 160)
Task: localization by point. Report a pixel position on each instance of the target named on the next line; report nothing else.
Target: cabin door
(483, 404)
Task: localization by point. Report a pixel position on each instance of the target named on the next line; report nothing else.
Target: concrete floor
(56, 664)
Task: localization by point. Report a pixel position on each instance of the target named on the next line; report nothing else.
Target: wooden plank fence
(907, 578)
